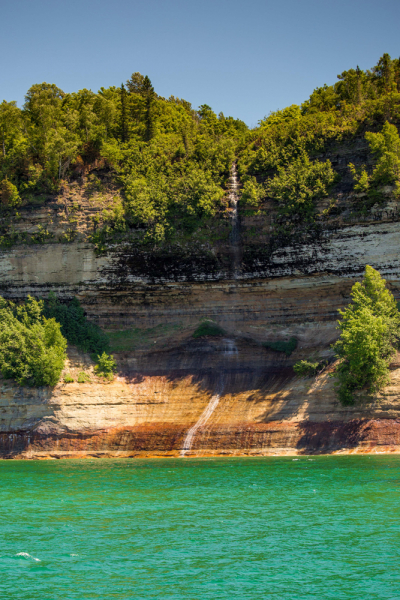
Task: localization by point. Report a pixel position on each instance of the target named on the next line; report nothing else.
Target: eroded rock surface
(263, 409)
(151, 302)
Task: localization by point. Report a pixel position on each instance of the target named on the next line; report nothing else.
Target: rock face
(263, 409)
(151, 302)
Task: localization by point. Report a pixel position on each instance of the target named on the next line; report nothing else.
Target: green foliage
(106, 365)
(300, 183)
(32, 347)
(9, 195)
(83, 377)
(386, 147)
(369, 327)
(74, 325)
(172, 162)
(252, 193)
(208, 328)
(287, 347)
(361, 178)
(280, 153)
(68, 378)
(281, 117)
(306, 368)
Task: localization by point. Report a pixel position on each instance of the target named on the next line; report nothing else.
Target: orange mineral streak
(260, 412)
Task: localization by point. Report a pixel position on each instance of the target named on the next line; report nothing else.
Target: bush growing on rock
(32, 348)
(370, 327)
(9, 195)
(83, 377)
(306, 368)
(386, 148)
(283, 346)
(106, 366)
(74, 325)
(208, 328)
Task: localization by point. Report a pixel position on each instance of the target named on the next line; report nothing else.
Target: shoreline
(376, 450)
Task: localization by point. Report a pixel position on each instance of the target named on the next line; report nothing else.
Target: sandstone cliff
(262, 410)
(150, 302)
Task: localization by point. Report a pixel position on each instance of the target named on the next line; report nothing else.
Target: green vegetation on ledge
(208, 328)
(32, 347)
(79, 332)
(287, 347)
(370, 329)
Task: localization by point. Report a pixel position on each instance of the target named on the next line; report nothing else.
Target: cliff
(262, 409)
(259, 289)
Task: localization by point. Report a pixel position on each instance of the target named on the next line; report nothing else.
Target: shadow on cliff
(325, 437)
(284, 394)
(247, 365)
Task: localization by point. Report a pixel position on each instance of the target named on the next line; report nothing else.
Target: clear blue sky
(244, 58)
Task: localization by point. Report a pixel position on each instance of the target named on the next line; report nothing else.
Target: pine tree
(149, 96)
(135, 83)
(369, 327)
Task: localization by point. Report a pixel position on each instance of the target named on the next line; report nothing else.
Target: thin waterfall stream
(229, 350)
(234, 237)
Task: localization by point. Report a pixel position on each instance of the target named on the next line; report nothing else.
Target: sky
(244, 58)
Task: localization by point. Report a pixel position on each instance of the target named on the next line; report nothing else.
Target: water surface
(197, 529)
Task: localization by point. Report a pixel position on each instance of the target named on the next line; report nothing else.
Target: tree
(9, 195)
(386, 147)
(106, 365)
(369, 327)
(53, 144)
(32, 348)
(135, 83)
(300, 183)
(350, 86)
(75, 327)
(149, 96)
(43, 105)
(10, 123)
(252, 193)
(384, 74)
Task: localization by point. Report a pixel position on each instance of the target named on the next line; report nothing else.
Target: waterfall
(205, 415)
(229, 350)
(234, 237)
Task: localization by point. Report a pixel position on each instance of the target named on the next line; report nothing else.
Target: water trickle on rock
(234, 237)
(229, 350)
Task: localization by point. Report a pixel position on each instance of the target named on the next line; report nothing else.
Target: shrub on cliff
(32, 348)
(106, 365)
(386, 148)
(300, 183)
(287, 347)
(208, 328)
(369, 327)
(305, 368)
(9, 195)
(80, 332)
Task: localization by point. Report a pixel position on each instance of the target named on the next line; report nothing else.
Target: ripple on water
(171, 529)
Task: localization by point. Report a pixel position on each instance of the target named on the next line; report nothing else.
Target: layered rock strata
(262, 410)
(152, 301)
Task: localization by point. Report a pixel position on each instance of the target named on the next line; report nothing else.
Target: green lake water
(196, 529)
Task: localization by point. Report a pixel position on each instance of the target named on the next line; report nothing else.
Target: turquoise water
(196, 529)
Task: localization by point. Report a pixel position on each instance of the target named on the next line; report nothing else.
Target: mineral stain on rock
(256, 289)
